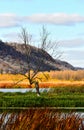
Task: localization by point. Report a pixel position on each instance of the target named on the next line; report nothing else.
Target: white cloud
(73, 43)
(9, 20)
(77, 63)
(74, 57)
(10, 37)
(73, 51)
(56, 18)
(75, 54)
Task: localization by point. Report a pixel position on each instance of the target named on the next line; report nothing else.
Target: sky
(63, 19)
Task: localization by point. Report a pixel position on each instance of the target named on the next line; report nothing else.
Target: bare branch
(51, 47)
(18, 81)
(44, 37)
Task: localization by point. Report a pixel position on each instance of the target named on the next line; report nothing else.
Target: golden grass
(68, 75)
(52, 79)
(62, 84)
(10, 84)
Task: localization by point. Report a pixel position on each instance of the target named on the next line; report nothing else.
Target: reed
(68, 75)
(48, 79)
(41, 119)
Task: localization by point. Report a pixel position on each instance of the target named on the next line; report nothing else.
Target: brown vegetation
(41, 119)
(68, 75)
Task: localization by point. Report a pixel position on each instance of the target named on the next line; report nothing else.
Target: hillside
(13, 59)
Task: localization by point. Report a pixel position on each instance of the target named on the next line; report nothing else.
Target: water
(23, 90)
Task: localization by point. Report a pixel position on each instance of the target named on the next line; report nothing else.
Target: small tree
(46, 45)
(30, 75)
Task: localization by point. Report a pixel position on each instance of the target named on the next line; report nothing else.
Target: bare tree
(46, 45)
(51, 47)
(30, 75)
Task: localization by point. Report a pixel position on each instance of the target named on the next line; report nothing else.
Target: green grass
(58, 97)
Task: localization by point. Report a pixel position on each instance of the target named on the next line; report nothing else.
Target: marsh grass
(69, 75)
(56, 97)
(54, 79)
(41, 119)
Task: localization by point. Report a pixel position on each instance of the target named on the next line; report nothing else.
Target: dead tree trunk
(37, 88)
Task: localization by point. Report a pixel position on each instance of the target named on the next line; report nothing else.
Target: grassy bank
(57, 97)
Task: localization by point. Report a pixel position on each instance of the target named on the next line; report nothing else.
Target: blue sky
(64, 19)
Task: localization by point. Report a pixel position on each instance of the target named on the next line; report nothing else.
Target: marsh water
(23, 90)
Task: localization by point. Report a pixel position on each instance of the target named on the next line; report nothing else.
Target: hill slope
(13, 59)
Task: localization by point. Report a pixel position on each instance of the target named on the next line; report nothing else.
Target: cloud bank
(56, 18)
(73, 43)
(11, 20)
